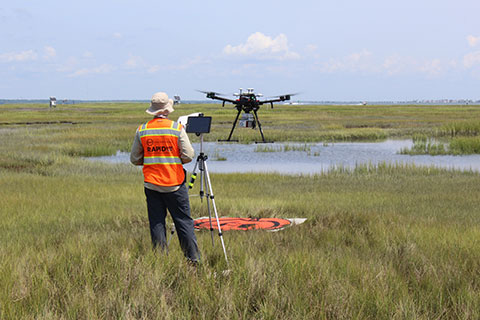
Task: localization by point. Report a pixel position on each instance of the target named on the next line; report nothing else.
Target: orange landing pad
(272, 224)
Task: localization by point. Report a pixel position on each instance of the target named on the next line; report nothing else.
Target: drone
(247, 102)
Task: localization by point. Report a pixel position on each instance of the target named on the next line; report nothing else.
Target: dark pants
(178, 205)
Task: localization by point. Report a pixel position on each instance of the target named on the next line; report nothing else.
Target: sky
(344, 50)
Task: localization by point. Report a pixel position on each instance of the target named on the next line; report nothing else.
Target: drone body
(247, 102)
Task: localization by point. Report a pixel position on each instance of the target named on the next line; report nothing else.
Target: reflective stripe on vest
(161, 162)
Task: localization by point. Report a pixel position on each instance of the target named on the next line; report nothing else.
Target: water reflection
(311, 158)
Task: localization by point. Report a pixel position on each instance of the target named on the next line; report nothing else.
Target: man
(162, 146)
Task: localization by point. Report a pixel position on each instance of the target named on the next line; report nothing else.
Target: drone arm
(212, 95)
(279, 99)
(223, 104)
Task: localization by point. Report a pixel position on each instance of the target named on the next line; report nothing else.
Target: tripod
(206, 185)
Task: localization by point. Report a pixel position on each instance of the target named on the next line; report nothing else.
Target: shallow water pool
(301, 158)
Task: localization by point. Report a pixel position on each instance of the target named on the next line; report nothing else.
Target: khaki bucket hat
(160, 104)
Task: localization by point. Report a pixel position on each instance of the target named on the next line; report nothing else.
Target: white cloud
(366, 63)
(358, 61)
(396, 64)
(87, 55)
(68, 65)
(117, 35)
(192, 62)
(358, 57)
(453, 64)
(473, 41)
(261, 46)
(49, 52)
(154, 69)
(312, 48)
(433, 67)
(311, 51)
(102, 69)
(28, 55)
(188, 64)
(18, 56)
(471, 59)
(134, 62)
(22, 14)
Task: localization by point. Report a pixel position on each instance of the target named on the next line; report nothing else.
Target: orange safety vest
(162, 164)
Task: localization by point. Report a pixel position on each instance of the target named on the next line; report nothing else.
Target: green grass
(461, 138)
(302, 123)
(285, 148)
(464, 128)
(386, 242)
(465, 145)
(264, 148)
(424, 145)
(457, 145)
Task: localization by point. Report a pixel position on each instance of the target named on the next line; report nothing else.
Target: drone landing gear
(260, 128)
(235, 123)
(233, 128)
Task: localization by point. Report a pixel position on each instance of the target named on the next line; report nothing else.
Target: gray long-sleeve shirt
(186, 154)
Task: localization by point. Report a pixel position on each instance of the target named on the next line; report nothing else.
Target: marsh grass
(462, 137)
(425, 145)
(464, 128)
(218, 157)
(293, 147)
(110, 125)
(285, 148)
(454, 146)
(263, 148)
(380, 242)
(465, 145)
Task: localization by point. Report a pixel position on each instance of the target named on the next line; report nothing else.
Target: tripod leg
(212, 197)
(234, 124)
(193, 176)
(209, 211)
(202, 176)
(259, 125)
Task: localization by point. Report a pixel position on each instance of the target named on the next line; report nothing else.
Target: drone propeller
(217, 96)
(279, 98)
(286, 95)
(213, 92)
